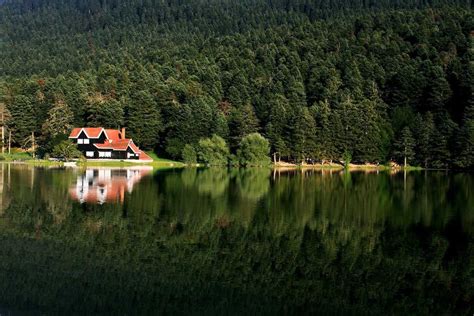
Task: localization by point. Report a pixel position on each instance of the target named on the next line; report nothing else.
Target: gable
(89, 132)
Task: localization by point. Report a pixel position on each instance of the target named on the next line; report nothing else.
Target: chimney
(123, 132)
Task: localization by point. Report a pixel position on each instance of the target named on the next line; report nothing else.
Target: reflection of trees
(253, 183)
(303, 240)
(213, 181)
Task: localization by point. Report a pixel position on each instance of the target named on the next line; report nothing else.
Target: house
(101, 143)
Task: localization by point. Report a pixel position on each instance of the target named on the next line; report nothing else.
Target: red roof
(121, 144)
(113, 134)
(144, 156)
(134, 147)
(91, 132)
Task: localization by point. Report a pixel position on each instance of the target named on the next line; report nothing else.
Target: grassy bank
(157, 163)
(16, 156)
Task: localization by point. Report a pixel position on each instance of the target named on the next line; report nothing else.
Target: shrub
(213, 151)
(189, 154)
(254, 150)
(66, 150)
(347, 158)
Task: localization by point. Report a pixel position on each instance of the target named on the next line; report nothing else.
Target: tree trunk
(405, 162)
(3, 134)
(9, 142)
(33, 143)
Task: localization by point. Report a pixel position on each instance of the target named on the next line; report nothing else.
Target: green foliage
(346, 158)
(254, 150)
(66, 150)
(466, 139)
(213, 151)
(341, 76)
(144, 119)
(60, 120)
(404, 150)
(104, 111)
(189, 155)
(23, 120)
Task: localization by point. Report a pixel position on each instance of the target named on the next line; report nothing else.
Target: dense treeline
(325, 80)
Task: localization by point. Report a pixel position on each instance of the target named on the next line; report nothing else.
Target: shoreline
(176, 164)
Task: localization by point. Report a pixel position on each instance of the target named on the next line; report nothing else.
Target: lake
(234, 241)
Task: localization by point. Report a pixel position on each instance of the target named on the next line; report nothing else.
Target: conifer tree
(60, 120)
(465, 159)
(144, 120)
(425, 131)
(404, 147)
(22, 120)
(241, 122)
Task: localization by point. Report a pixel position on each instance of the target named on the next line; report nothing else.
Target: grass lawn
(16, 155)
(155, 158)
(157, 162)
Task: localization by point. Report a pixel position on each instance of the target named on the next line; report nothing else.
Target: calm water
(214, 241)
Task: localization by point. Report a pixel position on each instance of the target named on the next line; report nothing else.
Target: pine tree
(241, 122)
(276, 126)
(144, 120)
(404, 147)
(23, 120)
(103, 111)
(465, 158)
(426, 129)
(60, 120)
(325, 131)
(303, 134)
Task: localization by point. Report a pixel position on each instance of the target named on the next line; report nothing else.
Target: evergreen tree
(60, 120)
(425, 132)
(241, 122)
(102, 111)
(404, 147)
(22, 120)
(465, 159)
(275, 129)
(144, 120)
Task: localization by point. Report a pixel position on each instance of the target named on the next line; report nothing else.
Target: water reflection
(218, 241)
(100, 185)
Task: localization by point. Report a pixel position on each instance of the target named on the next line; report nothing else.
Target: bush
(254, 150)
(213, 151)
(347, 158)
(189, 155)
(66, 150)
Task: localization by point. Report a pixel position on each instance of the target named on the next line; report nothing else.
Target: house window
(105, 154)
(80, 141)
(86, 141)
(89, 154)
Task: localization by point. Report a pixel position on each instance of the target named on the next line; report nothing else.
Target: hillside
(373, 80)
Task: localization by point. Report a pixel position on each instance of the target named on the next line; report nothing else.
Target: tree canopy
(316, 78)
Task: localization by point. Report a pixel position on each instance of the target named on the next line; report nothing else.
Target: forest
(326, 80)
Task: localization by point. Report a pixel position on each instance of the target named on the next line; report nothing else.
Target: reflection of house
(100, 143)
(107, 184)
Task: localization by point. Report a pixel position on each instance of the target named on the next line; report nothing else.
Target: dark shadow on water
(218, 241)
